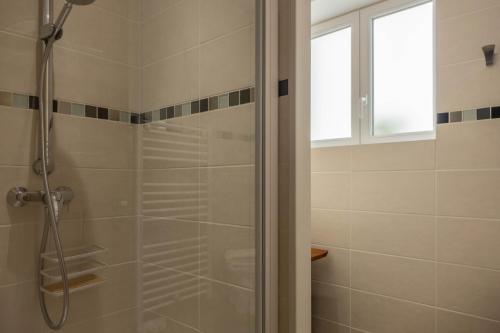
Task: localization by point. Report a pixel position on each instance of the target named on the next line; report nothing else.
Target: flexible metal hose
(51, 216)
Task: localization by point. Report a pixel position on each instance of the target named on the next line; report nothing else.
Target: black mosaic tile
(213, 103)
(163, 114)
(34, 102)
(204, 105)
(443, 118)
(283, 88)
(234, 98)
(195, 107)
(90, 111)
(495, 112)
(102, 113)
(55, 108)
(245, 96)
(483, 113)
(148, 117)
(134, 118)
(170, 112)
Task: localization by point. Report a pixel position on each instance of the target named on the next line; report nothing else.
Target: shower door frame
(266, 166)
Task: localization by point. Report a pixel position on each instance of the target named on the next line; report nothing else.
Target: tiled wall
(97, 63)
(124, 63)
(197, 170)
(412, 228)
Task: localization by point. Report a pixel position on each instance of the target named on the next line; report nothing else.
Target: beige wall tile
(98, 192)
(468, 193)
(19, 309)
(123, 322)
(400, 192)
(452, 322)
(90, 80)
(18, 245)
(228, 63)
(468, 290)
(171, 193)
(171, 294)
(381, 314)
(330, 190)
(228, 254)
(227, 195)
(221, 17)
(19, 129)
(330, 302)
(89, 143)
(468, 145)
(325, 326)
(154, 7)
(171, 244)
(393, 276)
(127, 8)
(404, 235)
(228, 136)
(98, 32)
(416, 155)
(334, 268)
(19, 16)
(173, 30)
(469, 241)
(331, 159)
(118, 235)
(461, 38)
(178, 75)
(329, 227)
(451, 8)
(17, 64)
(224, 307)
(481, 86)
(154, 323)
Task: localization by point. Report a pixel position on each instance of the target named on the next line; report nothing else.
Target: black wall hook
(489, 54)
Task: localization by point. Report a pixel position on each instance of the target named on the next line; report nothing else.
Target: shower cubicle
(130, 163)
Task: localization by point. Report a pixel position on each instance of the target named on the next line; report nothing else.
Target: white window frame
(361, 23)
(367, 17)
(325, 28)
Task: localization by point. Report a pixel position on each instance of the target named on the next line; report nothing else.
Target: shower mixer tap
(20, 196)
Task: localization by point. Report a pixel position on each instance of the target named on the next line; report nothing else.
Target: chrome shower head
(80, 2)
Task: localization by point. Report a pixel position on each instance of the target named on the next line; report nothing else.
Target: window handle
(364, 106)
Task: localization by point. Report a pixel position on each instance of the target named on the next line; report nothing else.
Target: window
(331, 85)
(386, 92)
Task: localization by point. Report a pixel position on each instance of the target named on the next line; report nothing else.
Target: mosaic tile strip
(225, 100)
(80, 110)
(468, 115)
(211, 103)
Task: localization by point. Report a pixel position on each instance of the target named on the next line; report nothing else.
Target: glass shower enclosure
(154, 112)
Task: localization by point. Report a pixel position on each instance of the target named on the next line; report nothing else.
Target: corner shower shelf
(75, 284)
(81, 267)
(75, 253)
(74, 269)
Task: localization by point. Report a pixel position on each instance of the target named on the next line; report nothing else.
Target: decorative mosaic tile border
(225, 100)
(468, 115)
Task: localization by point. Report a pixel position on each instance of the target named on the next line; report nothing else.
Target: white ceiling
(324, 9)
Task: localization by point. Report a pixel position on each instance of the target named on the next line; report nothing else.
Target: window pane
(403, 71)
(331, 86)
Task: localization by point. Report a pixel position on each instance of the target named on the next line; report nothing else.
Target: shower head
(80, 2)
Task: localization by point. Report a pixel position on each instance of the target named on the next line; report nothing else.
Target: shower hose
(52, 216)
